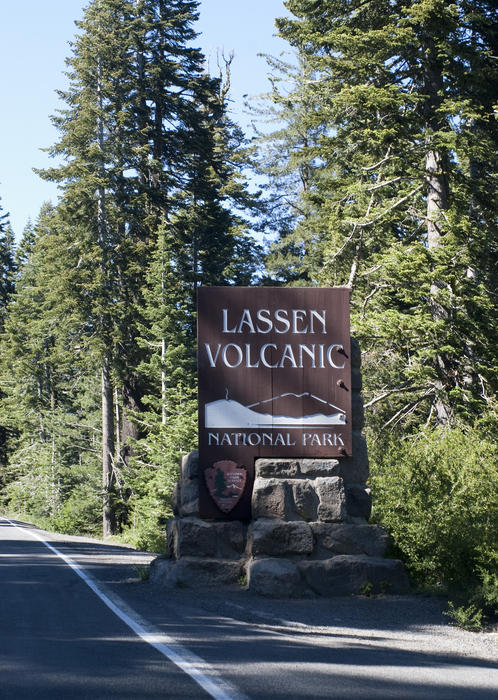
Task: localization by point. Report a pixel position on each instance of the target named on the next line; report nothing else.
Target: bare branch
(389, 392)
(381, 162)
(383, 184)
(342, 248)
(407, 409)
(354, 270)
(369, 296)
(393, 206)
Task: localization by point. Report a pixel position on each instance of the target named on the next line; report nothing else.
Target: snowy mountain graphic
(226, 413)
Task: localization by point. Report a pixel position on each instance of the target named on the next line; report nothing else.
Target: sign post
(274, 381)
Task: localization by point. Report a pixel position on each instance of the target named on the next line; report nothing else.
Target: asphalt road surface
(76, 621)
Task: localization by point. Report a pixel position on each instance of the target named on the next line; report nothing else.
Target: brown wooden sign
(274, 381)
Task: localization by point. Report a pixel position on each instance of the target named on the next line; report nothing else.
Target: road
(77, 622)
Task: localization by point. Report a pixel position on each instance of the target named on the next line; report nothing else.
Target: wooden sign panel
(274, 381)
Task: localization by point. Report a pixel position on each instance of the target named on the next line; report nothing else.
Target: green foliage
(7, 283)
(48, 392)
(366, 589)
(382, 174)
(467, 617)
(81, 512)
(143, 572)
(7, 263)
(154, 468)
(437, 494)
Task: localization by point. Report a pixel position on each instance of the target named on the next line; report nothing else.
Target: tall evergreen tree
(203, 240)
(7, 274)
(47, 389)
(398, 143)
(7, 263)
(128, 73)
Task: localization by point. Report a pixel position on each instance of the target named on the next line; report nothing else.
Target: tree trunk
(108, 520)
(437, 203)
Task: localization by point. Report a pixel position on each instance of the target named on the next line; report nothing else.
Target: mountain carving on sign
(298, 410)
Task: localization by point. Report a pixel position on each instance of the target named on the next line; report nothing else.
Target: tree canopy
(386, 183)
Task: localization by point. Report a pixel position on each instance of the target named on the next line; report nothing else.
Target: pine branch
(369, 296)
(343, 247)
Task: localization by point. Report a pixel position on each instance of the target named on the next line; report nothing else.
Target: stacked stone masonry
(309, 533)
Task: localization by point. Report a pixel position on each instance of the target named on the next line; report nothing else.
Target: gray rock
(190, 509)
(230, 539)
(349, 574)
(195, 573)
(305, 499)
(189, 490)
(276, 468)
(319, 467)
(274, 537)
(190, 465)
(359, 501)
(332, 505)
(159, 570)
(354, 469)
(171, 535)
(194, 538)
(342, 538)
(175, 500)
(189, 497)
(270, 499)
(275, 578)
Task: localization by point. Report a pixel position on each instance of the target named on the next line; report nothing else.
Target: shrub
(79, 514)
(437, 494)
(468, 618)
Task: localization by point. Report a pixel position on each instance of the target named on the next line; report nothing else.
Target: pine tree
(25, 246)
(203, 241)
(7, 263)
(397, 141)
(7, 276)
(116, 140)
(52, 438)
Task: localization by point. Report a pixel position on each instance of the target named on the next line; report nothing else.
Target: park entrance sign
(274, 381)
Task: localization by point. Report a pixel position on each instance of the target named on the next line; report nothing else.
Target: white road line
(194, 666)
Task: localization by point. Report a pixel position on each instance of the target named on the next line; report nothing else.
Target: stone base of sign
(309, 533)
(309, 536)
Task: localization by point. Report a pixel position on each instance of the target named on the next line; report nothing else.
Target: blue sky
(34, 42)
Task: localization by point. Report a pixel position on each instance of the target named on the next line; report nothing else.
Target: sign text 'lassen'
(272, 355)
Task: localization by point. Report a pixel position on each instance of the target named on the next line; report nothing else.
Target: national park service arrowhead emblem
(226, 481)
